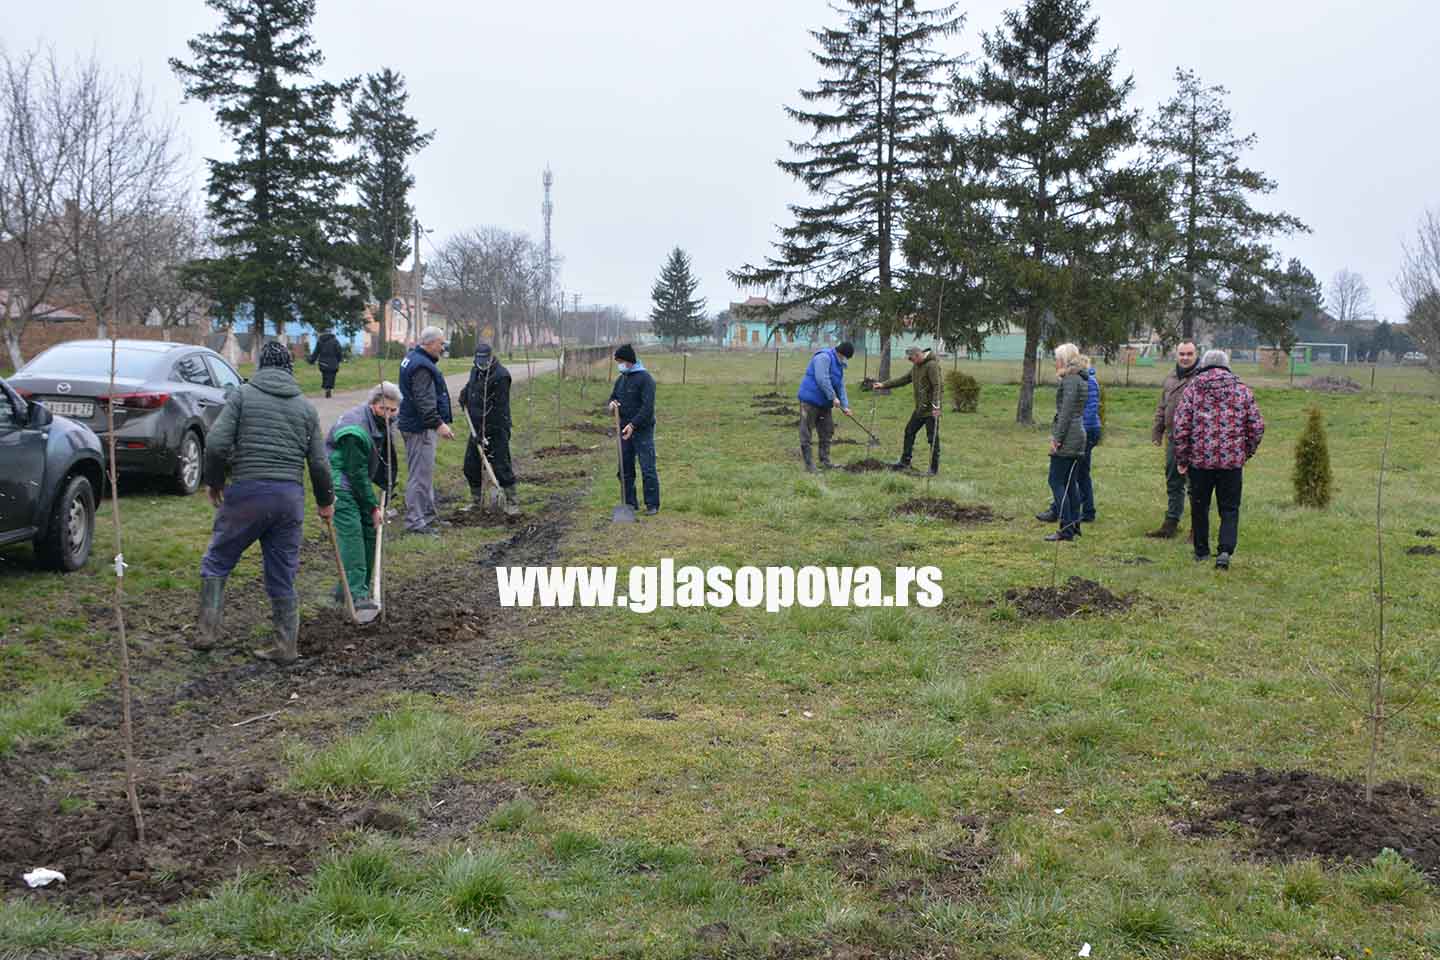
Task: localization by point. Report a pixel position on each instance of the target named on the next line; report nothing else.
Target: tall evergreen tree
(388, 137)
(287, 245)
(677, 311)
(1218, 242)
(1070, 217)
(873, 107)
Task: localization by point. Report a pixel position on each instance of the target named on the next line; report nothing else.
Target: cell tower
(547, 210)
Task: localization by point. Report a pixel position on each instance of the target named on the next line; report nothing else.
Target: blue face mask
(624, 367)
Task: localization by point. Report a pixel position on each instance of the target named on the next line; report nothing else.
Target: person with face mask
(486, 398)
(1163, 424)
(634, 396)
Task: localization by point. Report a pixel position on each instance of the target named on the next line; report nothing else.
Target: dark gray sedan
(167, 397)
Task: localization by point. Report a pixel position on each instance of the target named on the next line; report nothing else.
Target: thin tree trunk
(12, 344)
(1025, 408)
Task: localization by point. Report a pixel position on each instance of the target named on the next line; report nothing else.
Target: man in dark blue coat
(424, 415)
(821, 390)
(634, 396)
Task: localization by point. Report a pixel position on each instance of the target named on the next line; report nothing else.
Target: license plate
(71, 408)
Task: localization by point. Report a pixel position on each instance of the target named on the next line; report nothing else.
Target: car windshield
(91, 361)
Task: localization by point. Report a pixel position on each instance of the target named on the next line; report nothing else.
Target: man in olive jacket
(1163, 424)
(265, 435)
(924, 376)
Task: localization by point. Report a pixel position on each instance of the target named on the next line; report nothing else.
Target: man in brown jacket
(1163, 425)
(924, 375)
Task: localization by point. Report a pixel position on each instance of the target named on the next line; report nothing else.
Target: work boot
(1048, 516)
(285, 615)
(1167, 530)
(511, 502)
(212, 613)
(825, 463)
(327, 394)
(899, 465)
(805, 455)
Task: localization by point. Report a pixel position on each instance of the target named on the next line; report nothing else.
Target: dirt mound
(598, 429)
(1333, 385)
(868, 465)
(943, 509)
(1297, 814)
(563, 450)
(476, 517)
(954, 874)
(198, 830)
(772, 395)
(1422, 532)
(777, 412)
(1076, 598)
(1426, 550)
(545, 479)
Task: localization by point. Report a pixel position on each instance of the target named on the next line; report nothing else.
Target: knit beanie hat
(482, 355)
(276, 354)
(626, 353)
(846, 349)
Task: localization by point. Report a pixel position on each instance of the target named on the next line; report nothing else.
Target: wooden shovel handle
(340, 567)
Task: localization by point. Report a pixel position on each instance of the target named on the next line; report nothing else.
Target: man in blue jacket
(821, 390)
(634, 396)
(424, 415)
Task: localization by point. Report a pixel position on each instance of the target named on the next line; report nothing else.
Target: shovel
(365, 614)
(375, 605)
(489, 473)
(624, 513)
(874, 441)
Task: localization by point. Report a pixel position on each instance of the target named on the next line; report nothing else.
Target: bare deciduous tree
(1350, 300)
(1419, 286)
(489, 276)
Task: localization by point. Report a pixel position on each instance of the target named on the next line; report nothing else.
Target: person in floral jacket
(1218, 428)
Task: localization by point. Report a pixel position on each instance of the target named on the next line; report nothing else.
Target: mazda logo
(62, 388)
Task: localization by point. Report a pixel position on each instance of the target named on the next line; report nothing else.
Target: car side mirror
(40, 416)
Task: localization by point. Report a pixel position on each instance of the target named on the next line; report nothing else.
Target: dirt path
(330, 409)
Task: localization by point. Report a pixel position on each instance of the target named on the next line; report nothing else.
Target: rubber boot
(511, 502)
(825, 463)
(285, 615)
(212, 613)
(809, 460)
(1167, 530)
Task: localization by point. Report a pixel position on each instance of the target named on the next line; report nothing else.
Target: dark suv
(50, 474)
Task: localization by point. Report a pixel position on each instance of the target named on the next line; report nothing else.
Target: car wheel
(66, 544)
(189, 463)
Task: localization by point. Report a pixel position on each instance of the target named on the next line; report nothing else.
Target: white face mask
(624, 367)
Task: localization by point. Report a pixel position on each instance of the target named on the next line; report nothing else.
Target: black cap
(625, 353)
(846, 349)
(482, 355)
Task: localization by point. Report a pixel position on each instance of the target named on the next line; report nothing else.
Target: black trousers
(932, 435)
(1226, 485)
(327, 377)
(498, 453)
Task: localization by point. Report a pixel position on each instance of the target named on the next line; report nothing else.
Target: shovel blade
(366, 612)
(623, 514)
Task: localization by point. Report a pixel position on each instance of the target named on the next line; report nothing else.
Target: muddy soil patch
(1333, 385)
(778, 412)
(772, 395)
(951, 873)
(198, 830)
(1423, 533)
(1077, 598)
(764, 860)
(560, 450)
(478, 517)
(547, 479)
(598, 429)
(868, 465)
(1297, 814)
(1425, 550)
(944, 509)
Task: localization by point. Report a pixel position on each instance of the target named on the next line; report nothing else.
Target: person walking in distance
(1218, 428)
(929, 385)
(327, 355)
(357, 446)
(822, 390)
(486, 398)
(263, 438)
(1170, 393)
(634, 396)
(424, 416)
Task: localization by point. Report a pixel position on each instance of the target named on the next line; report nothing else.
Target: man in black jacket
(634, 397)
(486, 399)
(327, 355)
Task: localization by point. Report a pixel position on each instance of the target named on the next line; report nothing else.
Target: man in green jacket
(361, 450)
(265, 436)
(924, 376)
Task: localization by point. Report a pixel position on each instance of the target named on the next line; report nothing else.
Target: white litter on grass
(43, 877)
(1084, 951)
(120, 564)
(1059, 810)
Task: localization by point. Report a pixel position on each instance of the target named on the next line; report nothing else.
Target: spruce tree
(1070, 216)
(1312, 464)
(871, 110)
(1218, 250)
(287, 245)
(677, 311)
(388, 137)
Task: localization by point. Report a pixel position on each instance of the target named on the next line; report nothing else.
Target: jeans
(1174, 485)
(1226, 485)
(640, 446)
(1083, 480)
(1064, 471)
(271, 511)
(932, 435)
(420, 510)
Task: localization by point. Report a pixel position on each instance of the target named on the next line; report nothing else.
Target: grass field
(963, 781)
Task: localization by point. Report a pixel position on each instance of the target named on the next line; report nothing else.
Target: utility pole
(575, 298)
(418, 313)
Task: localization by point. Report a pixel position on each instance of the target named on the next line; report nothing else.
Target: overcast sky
(662, 120)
